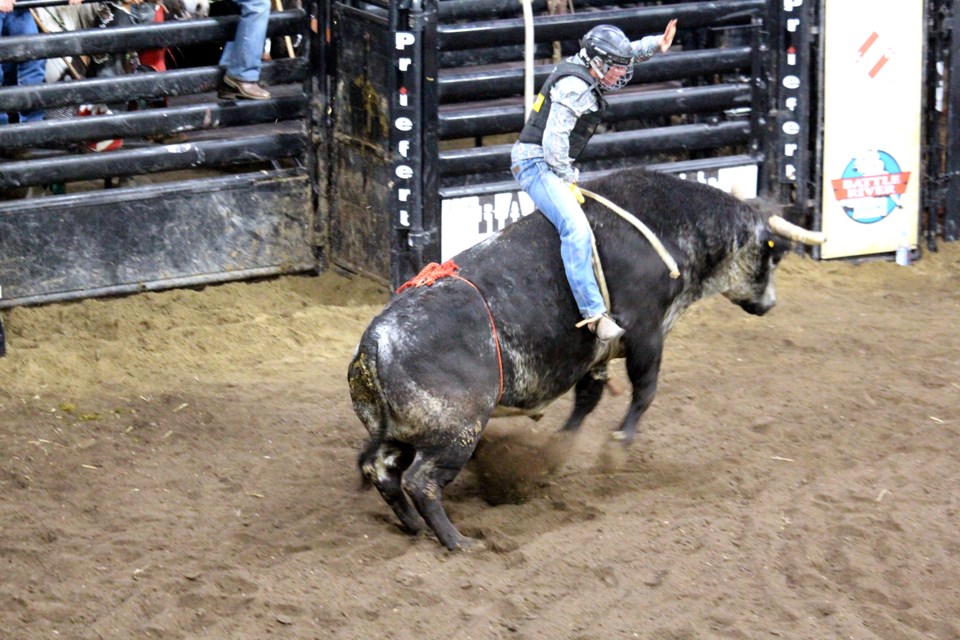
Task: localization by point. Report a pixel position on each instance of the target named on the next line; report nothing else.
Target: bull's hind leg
(383, 465)
(432, 469)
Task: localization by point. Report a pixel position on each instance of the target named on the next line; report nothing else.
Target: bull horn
(789, 230)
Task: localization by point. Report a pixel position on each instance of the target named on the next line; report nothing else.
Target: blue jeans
(19, 22)
(243, 56)
(554, 199)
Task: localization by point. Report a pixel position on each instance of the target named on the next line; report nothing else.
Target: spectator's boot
(233, 89)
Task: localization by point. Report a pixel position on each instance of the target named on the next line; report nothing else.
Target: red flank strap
(430, 274)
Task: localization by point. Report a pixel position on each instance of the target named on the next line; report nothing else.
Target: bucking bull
(498, 336)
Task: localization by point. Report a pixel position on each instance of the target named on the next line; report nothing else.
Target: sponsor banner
(740, 181)
(466, 221)
(873, 67)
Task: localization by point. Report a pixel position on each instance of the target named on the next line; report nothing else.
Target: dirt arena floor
(182, 465)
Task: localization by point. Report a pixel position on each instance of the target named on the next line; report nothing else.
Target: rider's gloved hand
(575, 190)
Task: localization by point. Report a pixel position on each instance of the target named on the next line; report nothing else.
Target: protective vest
(586, 124)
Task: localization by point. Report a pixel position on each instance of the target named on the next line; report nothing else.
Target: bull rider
(565, 115)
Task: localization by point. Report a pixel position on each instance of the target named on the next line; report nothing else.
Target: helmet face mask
(607, 50)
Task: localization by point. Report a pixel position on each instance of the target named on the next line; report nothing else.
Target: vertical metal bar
(405, 91)
(321, 52)
(312, 86)
(804, 51)
(951, 226)
(933, 150)
(759, 90)
(818, 145)
(791, 132)
(430, 108)
(399, 237)
(773, 46)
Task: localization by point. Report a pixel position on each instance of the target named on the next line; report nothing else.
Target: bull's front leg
(643, 368)
(588, 392)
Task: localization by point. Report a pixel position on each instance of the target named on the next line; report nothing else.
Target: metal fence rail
(710, 97)
(221, 189)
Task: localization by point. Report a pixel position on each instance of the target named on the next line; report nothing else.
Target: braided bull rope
(642, 228)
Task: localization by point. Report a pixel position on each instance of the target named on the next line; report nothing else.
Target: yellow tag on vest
(538, 102)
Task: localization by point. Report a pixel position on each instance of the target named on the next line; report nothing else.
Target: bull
(499, 338)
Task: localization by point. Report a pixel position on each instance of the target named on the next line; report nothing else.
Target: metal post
(759, 89)
(951, 226)
(789, 149)
(407, 102)
(428, 243)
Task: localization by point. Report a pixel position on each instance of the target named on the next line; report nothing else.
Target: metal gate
(430, 97)
(220, 190)
(942, 195)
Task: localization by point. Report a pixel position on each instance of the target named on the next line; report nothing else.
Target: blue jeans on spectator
(243, 56)
(554, 199)
(19, 22)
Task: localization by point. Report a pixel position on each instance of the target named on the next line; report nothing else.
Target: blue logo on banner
(871, 186)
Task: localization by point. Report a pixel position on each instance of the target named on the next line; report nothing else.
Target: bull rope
(598, 273)
(642, 228)
(433, 272)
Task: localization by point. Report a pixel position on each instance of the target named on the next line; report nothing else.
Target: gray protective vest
(586, 124)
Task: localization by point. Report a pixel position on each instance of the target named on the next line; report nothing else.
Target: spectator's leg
(8, 78)
(30, 72)
(242, 58)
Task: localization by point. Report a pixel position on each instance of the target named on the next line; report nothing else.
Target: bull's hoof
(471, 544)
(613, 456)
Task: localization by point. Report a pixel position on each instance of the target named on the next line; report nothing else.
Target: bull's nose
(756, 308)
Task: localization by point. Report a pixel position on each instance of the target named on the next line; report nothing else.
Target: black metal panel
(951, 226)
(155, 237)
(142, 85)
(687, 166)
(214, 153)
(465, 122)
(500, 83)
(147, 123)
(690, 15)
(361, 171)
(137, 38)
(451, 10)
(607, 145)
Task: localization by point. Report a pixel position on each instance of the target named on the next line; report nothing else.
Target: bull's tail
(368, 403)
